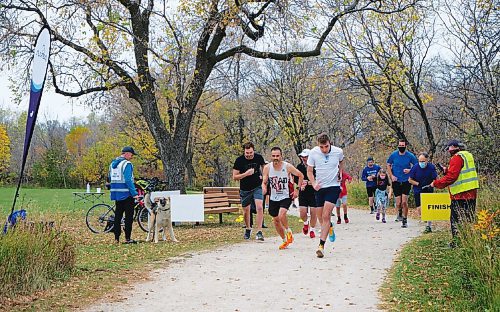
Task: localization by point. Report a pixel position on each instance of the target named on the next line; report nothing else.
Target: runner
(307, 199)
(399, 165)
(342, 201)
(247, 169)
(383, 192)
(369, 175)
(278, 175)
(421, 177)
(327, 160)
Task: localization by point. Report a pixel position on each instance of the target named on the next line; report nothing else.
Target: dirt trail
(256, 276)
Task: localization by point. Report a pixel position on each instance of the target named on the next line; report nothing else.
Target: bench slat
(221, 210)
(216, 200)
(215, 205)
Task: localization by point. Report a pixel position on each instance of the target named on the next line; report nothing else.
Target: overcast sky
(53, 106)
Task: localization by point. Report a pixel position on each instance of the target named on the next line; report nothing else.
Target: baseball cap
(456, 143)
(305, 152)
(128, 149)
(369, 159)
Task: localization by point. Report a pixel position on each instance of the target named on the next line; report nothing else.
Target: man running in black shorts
(327, 160)
(307, 198)
(399, 165)
(369, 175)
(278, 174)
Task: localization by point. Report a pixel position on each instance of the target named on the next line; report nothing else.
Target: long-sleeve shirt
(451, 175)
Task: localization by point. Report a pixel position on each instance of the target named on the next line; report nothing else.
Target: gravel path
(256, 276)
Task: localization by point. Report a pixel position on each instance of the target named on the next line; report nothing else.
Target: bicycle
(100, 218)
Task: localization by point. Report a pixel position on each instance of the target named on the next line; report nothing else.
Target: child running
(383, 192)
(342, 201)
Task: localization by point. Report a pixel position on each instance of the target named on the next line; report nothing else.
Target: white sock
(306, 222)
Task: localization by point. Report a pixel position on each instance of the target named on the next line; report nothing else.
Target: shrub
(32, 257)
(479, 253)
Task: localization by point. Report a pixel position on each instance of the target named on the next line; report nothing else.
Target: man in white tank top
(277, 174)
(327, 160)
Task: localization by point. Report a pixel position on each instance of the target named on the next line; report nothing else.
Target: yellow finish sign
(435, 206)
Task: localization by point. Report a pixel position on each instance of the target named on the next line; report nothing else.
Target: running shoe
(259, 236)
(405, 223)
(289, 237)
(331, 234)
(311, 234)
(346, 220)
(399, 218)
(339, 221)
(283, 245)
(130, 241)
(305, 229)
(377, 217)
(383, 220)
(247, 234)
(319, 252)
(428, 229)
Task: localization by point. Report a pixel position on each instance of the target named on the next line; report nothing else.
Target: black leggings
(127, 206)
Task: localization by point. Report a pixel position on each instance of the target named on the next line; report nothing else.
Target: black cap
(369, 159)
(456, 143)
(128, 149)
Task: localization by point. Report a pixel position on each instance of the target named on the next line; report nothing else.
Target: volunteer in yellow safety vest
(462, 180)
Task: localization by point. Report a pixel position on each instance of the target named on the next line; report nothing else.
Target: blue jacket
(369, 171)
(121, 181)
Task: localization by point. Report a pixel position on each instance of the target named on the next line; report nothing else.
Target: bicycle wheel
(143, 218)
(100, 218)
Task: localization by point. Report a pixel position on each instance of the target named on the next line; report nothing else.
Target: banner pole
(38, 75)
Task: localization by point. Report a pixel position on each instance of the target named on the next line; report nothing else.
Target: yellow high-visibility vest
(467, 180)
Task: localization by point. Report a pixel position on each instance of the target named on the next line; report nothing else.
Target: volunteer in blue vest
(123, 192)
(398, 167)
(462, 180)
(421, 177)
(369, 175)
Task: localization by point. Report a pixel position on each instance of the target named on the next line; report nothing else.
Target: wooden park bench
(233, 193)
(218, 202)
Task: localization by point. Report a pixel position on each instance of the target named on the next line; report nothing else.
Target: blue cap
(369, 159)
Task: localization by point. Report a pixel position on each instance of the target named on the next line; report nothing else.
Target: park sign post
(435, 206)
(38, 73)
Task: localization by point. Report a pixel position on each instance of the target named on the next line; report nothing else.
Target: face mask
(422, 164)
(401, 149)
(453, 152)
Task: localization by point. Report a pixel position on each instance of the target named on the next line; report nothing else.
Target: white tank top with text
(278, 182)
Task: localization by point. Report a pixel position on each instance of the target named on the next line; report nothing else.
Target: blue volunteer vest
(118, 188)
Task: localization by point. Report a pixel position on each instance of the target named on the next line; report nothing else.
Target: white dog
(159, 217)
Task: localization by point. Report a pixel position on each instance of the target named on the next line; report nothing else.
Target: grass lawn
(99, 262)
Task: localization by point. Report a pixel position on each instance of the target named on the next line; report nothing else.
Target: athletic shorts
(418, 202)
(327, 194)
(370, 190)
(248, 196)
(307, 200)
(274, 206)
(341, 200)
(401, 188)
